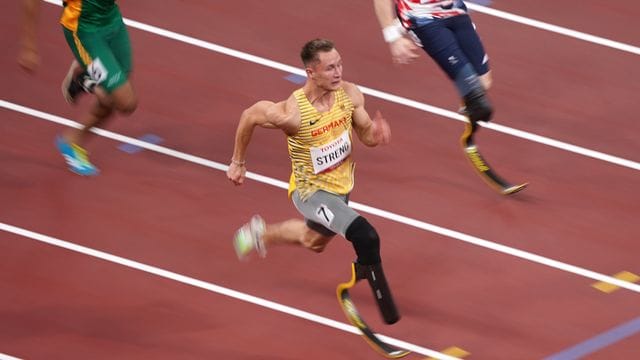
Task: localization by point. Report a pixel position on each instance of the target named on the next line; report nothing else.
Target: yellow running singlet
(321, 150)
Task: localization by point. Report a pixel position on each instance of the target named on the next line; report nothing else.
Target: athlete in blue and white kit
(445, 31)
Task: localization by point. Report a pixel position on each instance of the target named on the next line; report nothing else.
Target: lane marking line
(599, 342)
(361, 207)
(132, 149)
(453, 351)
(609, 288)
(296, 79)
(555, 29)
(529, 22)
(213, 288)
(7, 357)
(380, 94)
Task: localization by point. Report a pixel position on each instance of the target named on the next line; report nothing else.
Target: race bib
(330, 155)
(324, 215)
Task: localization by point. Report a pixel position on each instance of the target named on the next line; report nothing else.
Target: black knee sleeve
(365, 241)
(477, 106)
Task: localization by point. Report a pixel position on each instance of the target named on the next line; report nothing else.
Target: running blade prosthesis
(482, 167)
(356, 320)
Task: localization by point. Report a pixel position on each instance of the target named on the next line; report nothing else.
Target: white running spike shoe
(249, 237)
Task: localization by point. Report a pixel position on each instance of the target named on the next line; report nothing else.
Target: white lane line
(7, 357)
(529, 22)
(507, 130)
(213, 288)
(555, 29)
(382, 95)
(364, 208)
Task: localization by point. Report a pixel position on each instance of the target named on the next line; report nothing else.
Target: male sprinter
(444, 30)
(99, 40)
(318, 119)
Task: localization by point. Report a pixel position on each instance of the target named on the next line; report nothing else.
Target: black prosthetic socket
(477, 106)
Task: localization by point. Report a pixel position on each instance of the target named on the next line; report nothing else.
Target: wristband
(239, 163)
(393, 32)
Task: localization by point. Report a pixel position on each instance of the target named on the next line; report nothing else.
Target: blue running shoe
(76, 158)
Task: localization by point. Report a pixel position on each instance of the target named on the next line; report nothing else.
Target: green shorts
(105, 53)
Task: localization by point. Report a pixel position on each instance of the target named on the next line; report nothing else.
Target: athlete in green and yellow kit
(98, 38)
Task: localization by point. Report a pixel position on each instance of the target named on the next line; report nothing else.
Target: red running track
(179, 216)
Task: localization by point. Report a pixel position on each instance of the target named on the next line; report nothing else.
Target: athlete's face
(327, 72)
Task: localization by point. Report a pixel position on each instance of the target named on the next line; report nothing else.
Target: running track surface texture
(137, 262)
